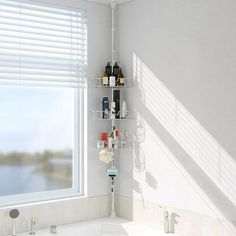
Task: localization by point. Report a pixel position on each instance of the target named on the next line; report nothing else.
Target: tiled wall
(55, 212)
(183, 223)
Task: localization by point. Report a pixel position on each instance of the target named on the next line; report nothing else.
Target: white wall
(99, 52)
(183, 56)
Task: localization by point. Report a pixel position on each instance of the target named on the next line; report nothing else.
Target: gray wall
(99, 52)
(183, 57)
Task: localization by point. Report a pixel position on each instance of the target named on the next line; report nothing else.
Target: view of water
(25, 179)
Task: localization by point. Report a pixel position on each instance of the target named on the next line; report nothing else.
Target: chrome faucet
(14, 213)
(166, 222)
(32, 225)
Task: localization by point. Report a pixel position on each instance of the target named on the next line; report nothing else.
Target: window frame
(79, 153)
(78, 177)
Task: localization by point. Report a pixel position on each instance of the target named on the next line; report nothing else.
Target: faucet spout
(166, 222)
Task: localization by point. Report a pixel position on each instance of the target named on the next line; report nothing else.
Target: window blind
(42, 44)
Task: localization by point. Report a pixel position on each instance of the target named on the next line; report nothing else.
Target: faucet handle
(166, 214)
(53, 229)
(32, 231)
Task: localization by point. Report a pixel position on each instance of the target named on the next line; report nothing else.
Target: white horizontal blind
(42, 44)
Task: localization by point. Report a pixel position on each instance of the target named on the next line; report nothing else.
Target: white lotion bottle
(124, 110)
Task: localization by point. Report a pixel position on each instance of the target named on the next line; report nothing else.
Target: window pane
(36, 139)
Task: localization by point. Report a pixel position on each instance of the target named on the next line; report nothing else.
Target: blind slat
(40, 8)
(30, 26)
(42, 44)
(42, 65)
(12, 35)
(5, 13)
(51, 45)
(30, 48)
(48, 34)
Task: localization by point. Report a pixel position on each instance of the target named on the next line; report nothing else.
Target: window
(43, 51)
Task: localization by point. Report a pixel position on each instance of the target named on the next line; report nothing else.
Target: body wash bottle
(105, 108)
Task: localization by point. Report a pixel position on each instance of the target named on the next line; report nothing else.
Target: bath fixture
(53, 229)
(166, 221)
(14, 213)
(32, 224)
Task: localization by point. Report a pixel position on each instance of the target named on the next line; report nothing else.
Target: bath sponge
(106, 156)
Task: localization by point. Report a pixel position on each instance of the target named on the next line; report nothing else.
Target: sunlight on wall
(204, 150)
(220, 224)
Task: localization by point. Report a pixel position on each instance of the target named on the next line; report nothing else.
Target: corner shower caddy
(97, 83)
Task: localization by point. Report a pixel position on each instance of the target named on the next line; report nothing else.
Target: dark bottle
(116, 99)
(121, 80)
(116, 70)
(108, 69)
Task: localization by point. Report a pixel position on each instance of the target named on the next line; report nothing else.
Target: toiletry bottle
(116, 70)
(113, 110)
(105, 108)
(112, 81)
(104, 137)
(121, 80)
(104, 79)
(116, 138)
(124, 111)
(116, 99)
(111, 141)
(108, 70)
(124, 137)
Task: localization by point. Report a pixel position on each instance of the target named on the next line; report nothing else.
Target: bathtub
(102, 227)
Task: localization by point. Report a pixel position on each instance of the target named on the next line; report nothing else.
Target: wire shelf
(97, 83)
(123, 143)
(98, 115)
